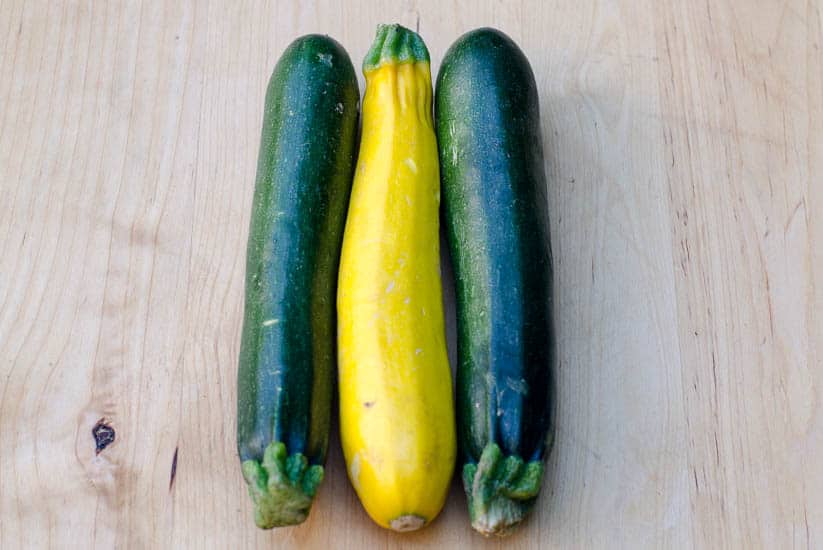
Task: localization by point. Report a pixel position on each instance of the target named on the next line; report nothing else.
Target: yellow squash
(396, 410)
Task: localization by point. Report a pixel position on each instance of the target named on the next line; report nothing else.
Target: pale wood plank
(741, 179)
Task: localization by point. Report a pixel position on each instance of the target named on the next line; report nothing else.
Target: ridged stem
(395, 44)
(282, 486)
(501, 490)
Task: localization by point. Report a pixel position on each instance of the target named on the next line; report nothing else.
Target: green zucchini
(287, 356)
(495, 210)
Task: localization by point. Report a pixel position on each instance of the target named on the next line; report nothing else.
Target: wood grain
(684, 147)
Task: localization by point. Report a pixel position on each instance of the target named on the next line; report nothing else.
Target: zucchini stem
(395, 44)
(282, 486)
(501, 490)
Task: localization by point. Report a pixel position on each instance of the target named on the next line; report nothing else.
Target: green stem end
(282, 486)
(501, 490)
(395, 44)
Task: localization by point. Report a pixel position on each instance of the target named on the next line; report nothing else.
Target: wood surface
(684, 148)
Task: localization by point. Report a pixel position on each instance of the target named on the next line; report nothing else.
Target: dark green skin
(304, 174)
(495, 210)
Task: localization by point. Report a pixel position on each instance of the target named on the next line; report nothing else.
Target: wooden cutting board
(684, 148)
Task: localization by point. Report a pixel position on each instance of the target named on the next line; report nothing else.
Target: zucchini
(287, 362)
(495, 211)
(396, 408)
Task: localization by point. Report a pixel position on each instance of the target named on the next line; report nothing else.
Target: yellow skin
(396, 410)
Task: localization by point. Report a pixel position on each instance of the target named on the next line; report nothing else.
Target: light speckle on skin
(354, 470)
(411, 164)
(390, 287)
(325, 58)
(418, 351)
(407, 300)
(270, 322)
(408, 200)
(518, 385)
(339, 108)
